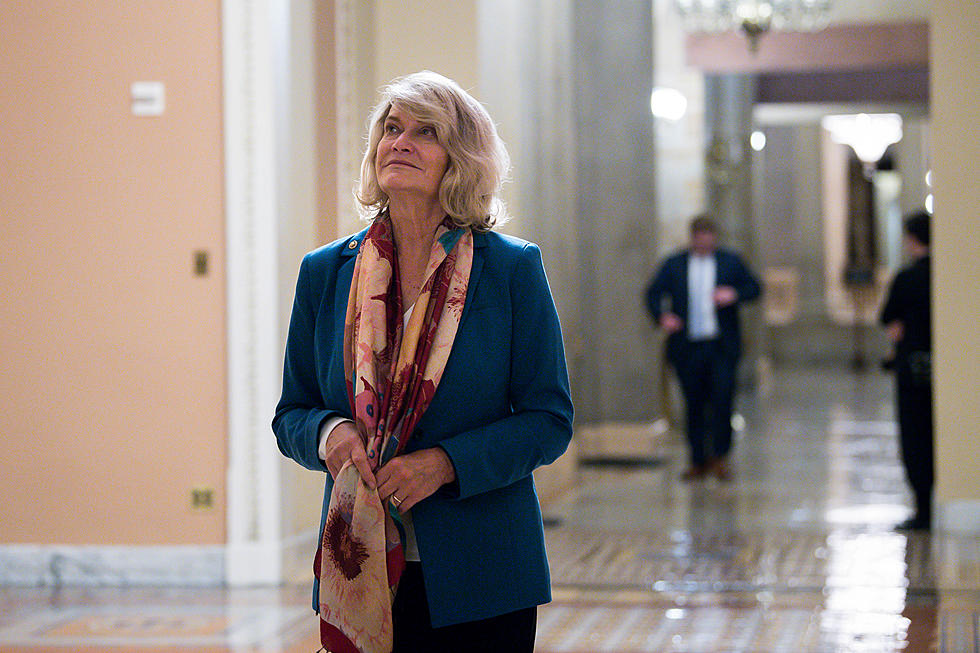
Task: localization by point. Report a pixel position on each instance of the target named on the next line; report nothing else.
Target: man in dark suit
(694, 298)
(907, 320)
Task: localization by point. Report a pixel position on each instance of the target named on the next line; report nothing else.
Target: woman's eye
(391, 129)
(428, 131)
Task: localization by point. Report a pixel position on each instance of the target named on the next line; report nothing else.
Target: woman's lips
(399, 162)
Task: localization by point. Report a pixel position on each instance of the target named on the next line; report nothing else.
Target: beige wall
(325, 103)
(112, 370)
(377, 41)
(956, 244)
(308, 219)
(412, 36)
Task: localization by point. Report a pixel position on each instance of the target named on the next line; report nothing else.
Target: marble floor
(797, 553)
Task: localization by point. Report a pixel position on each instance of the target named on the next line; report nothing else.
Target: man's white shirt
(702, 319)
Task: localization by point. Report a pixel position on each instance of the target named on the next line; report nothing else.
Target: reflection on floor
(160, 620)
(797, 553)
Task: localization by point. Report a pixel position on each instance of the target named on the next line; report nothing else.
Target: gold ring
(395, 500)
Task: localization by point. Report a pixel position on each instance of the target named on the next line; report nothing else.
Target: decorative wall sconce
(722, 159)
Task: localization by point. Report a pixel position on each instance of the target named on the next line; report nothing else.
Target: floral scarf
(392, 371)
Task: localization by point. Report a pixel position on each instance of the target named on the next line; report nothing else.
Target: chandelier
(869, 135)
(753, 17)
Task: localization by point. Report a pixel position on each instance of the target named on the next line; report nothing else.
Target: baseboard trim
(111, 566)
(959, 516)
(297, 556)
(253, 563)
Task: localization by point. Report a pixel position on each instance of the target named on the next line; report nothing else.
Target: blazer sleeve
(301, 410)
(540, 426)
(655, 293)
(746, 285)
(891, 310)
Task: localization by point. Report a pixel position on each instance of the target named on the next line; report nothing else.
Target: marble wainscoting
(112, 566)
(554, 481)
(623, 441)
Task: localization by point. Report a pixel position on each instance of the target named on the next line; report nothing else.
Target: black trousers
(511, 633)
(916, 436)
(707, 376)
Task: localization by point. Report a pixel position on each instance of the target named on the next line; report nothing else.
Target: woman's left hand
(409, 478)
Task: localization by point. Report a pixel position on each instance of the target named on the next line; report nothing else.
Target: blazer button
(352, 244)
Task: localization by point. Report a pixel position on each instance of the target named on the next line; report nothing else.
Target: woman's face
(410, 159)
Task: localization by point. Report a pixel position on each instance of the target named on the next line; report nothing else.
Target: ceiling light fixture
(753, 18)
(868, 134)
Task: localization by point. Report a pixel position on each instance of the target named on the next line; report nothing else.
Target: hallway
(795, 554)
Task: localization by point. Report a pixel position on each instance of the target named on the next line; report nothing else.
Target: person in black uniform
(907, 320)
(703, 287)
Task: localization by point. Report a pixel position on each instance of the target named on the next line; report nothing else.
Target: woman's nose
(402, 142)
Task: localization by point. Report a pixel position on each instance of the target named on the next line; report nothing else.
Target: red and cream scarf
(392, 371)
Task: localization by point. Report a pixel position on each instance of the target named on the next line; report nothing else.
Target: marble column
(729, 102)
(615, 208)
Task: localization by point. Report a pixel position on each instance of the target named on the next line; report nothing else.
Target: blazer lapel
(684, 290)
(345, 275)
(479, 246)
(722, 270)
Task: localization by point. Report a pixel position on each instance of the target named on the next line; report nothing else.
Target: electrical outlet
(202, 498)
(201, 262)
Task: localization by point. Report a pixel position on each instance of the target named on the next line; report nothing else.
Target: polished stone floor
(797, 553)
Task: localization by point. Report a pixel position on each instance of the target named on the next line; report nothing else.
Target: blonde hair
(478, 160)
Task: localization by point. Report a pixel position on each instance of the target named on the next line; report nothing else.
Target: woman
(425, 373)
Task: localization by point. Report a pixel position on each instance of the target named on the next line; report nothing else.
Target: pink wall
(112, 370)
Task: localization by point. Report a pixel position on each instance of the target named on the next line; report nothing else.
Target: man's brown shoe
(720, 469)
(695, 472)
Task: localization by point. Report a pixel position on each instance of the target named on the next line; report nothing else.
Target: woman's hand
(409, 478)
(345, 444)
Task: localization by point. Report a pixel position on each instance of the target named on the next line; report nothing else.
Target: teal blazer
(502, 409)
